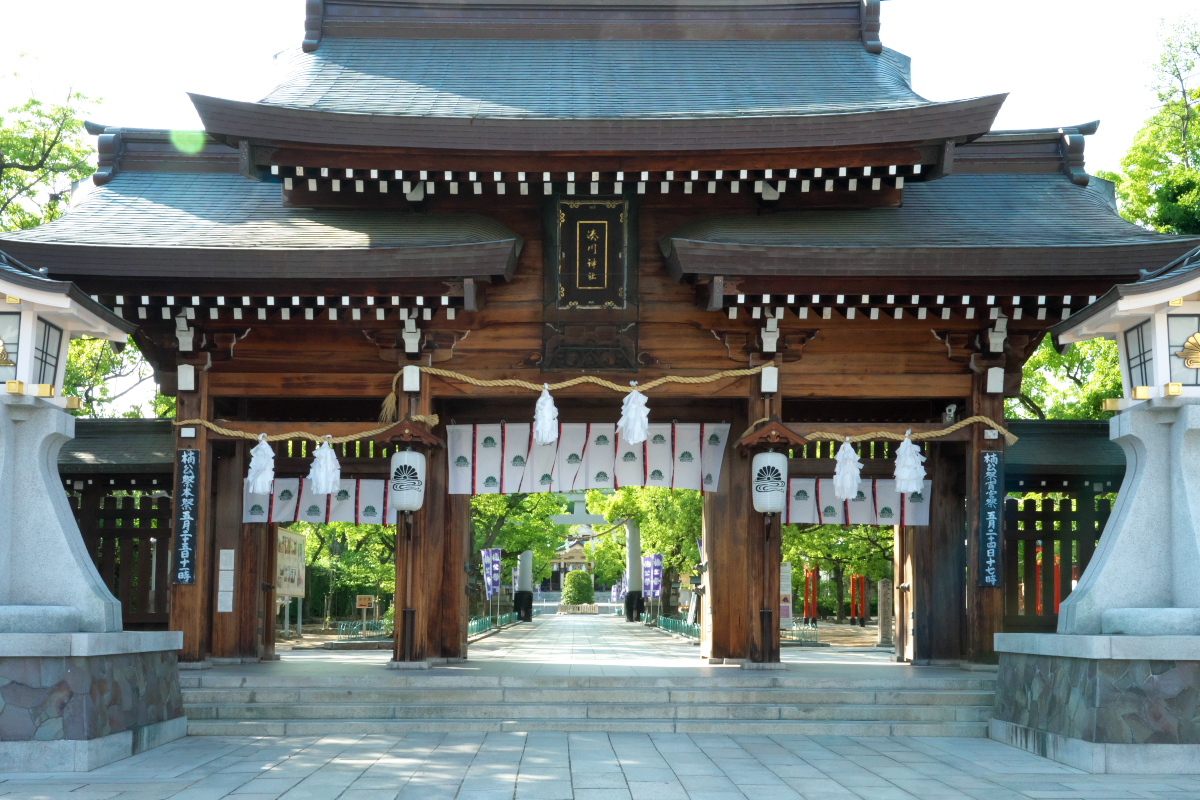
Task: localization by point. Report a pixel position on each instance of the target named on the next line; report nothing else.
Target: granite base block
(1091, 703)
(82, 755)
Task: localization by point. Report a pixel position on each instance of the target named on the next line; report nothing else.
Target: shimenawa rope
(898, 437)
(431, 420)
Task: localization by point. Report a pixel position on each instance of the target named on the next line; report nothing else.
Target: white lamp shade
(769, 472)
(406, 486)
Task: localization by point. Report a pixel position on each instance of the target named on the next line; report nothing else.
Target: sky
(1063, 62)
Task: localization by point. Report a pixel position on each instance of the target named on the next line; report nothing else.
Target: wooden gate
(1048, 543)
(128, 537)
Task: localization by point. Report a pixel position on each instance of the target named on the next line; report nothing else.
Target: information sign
(991, 518)
(289, 560)
(187, 477)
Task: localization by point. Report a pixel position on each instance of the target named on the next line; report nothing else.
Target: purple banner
(491, 572)
(647, 574)
(656, 570)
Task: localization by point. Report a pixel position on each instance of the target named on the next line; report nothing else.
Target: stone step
(579, 711)
(320, 727)
(402, 679)
(200, 697)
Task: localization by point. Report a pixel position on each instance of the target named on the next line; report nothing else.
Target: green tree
(94, 371)
(43, 151)
(1159, 182)
(1070, 386)
(346, 560)
(839, 551)
(671, 522)
(578, 589)
(516, 523)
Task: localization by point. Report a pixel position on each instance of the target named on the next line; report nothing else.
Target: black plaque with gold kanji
(593, 242)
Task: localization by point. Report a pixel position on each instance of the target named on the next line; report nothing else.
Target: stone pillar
(634, 605)
(883, 590)
(105, 694)
(523, 591)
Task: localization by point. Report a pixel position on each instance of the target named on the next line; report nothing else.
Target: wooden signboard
(364, 601)
(991, 518)
(187, 476)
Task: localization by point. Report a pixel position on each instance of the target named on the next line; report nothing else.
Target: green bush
(578, 589)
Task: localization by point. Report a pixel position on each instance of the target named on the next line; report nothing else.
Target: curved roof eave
(934, 122)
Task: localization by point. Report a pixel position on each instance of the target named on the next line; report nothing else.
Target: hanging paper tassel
(846, 474)
(326, 473)
(262, 467)
(634, 424)
(910, 474)
(545, 418)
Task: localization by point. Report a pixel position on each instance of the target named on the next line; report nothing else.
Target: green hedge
(578, 589)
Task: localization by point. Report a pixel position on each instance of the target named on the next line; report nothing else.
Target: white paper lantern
(407, 485)
(770, 482)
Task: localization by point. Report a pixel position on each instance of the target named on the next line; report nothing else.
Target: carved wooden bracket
(408, 433)
(740, 345)
(772, 435)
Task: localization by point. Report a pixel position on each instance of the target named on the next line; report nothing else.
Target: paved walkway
(592, 646)
(589, 766)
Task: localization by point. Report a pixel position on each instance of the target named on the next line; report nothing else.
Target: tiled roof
(593, 79)
(217, 225)
(21, 274)
(979, 225)
(119, 446)
(556, 94)
(1062, 447)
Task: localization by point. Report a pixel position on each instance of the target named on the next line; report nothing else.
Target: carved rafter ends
(774, 435)
(409, 433)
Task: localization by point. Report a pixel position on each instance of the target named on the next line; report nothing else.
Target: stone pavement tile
(796, 770)
(994, 793)
(929, 788)
(426, 792)
(772, 791)
(543, 775)
(654, 790)
(602, 794)
(598, 780)
(819, 787)
(480, 794)
(369, 794)
(264, 785)
(697, 768)
(883, 793)
(650, 774)
(701, 794)
(544, 790)
(758, 777)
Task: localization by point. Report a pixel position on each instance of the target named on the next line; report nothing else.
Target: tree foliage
(100, 376)
(348, 559)
(516, 523)
(43, 151)
(578, 589)
(1159, 182)
(671, 522)
(1071, 386)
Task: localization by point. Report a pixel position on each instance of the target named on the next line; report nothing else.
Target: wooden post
(191, 605)
(985, 605)
(948, 551)
(230, 637)
(726, 532)
(455, 614)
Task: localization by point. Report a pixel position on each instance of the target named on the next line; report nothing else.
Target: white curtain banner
(660, 454)
(713, 437)
(687, 465)
(599, 459)
(802, 501)
(518, 438)
(539, 475)
(255, 507)
(861, 508)
(313, 507)
(285, 494)
(342, 502)
(630, 467)
(916, 505)
(489, 458)
(370, 502)
(460, 456)
(832, 510)
(887, 503)
(572, 438)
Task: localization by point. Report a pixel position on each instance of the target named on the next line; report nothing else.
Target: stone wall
(86, 697)
(1112, 701)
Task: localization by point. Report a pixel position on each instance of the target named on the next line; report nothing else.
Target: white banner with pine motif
(489, 459)
(887, 503)
(861, 508)
(916, 505)
(572, 438)
(255, 507)
(832, 510)
(539, 474)
(342, 502)
(659, 454)
(687, 466)
(630, 467)
(460, 457)
(713, 436)
(802, 501)
(518, 439)
(370, 502)
(598, 458)
(285, 494)
(313, 507)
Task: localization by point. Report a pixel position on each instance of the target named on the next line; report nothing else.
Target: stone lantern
(60, 626)
(1111, 690)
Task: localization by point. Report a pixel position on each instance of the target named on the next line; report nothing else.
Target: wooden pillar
(902, 554)
(985, 605)
(455, 614)
(230, 637)
(191, 605)
(726, 543)
(765, 542)
(947, 552)
(268, 575)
